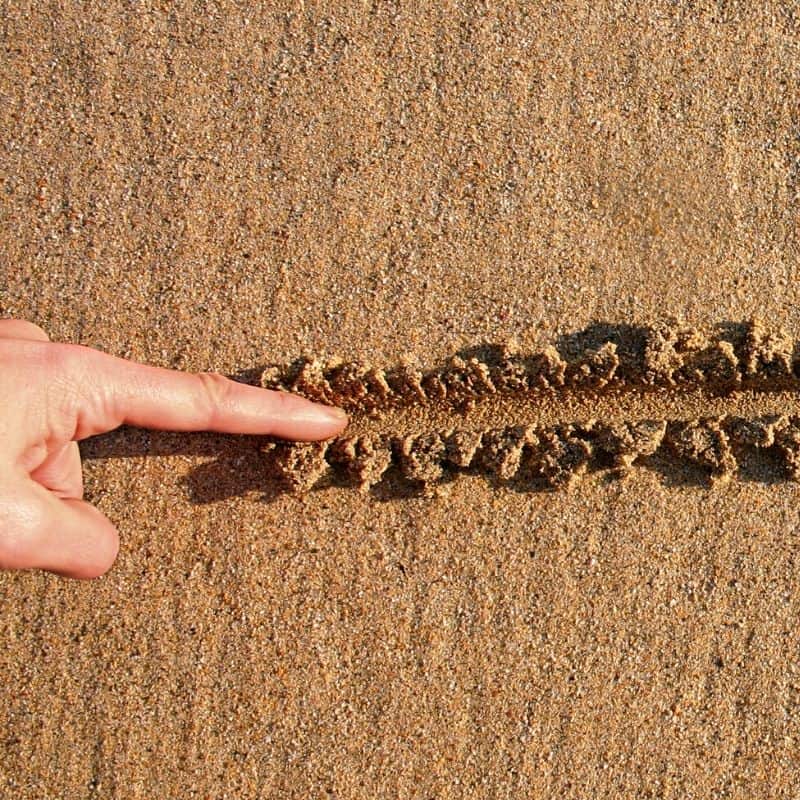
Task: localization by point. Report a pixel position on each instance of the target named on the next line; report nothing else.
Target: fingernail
(328, 413)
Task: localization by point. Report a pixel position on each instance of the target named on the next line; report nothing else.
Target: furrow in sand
(606, 399)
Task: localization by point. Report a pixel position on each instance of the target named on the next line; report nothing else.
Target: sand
(214, 186)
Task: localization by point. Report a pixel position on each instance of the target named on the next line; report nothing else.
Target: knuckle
(68, 370)
(63, 359)
(23, 329)
(74, 362)
(215, 392)
(57, 359)
(36, 332)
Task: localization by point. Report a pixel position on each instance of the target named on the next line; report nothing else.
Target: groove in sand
(607, 398)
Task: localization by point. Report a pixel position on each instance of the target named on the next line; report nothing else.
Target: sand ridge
(667, 355)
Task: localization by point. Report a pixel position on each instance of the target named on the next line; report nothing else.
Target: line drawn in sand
(607, 398)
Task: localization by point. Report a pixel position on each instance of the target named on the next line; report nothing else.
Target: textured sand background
(218, 185)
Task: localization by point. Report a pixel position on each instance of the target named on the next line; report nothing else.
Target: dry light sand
(218, 186)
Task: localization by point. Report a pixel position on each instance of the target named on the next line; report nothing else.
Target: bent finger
(152, 397)
(22, 329)
(61, 472)
(68, 537)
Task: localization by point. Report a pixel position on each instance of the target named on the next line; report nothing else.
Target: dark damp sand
(204, 187)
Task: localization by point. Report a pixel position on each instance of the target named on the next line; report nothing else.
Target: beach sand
(221, 186)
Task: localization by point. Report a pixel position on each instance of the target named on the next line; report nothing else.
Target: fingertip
(294, 417)
(329, 420)
(22, 329)
(341, 422)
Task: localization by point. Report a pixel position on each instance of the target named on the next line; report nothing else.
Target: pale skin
(53, 395)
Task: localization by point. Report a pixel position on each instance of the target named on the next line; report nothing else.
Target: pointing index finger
(153, 397)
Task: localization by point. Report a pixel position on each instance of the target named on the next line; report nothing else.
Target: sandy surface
(219, 186)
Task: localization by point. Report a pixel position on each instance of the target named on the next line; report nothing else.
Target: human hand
(54, 395)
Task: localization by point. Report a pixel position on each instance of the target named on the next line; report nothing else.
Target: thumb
(41, 531)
